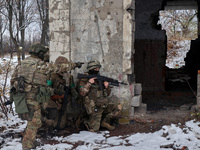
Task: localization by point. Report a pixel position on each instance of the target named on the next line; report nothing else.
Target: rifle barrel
(103, 78)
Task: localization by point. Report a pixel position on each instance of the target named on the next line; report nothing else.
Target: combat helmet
(38, 50)
(61, 60)
(93, 64)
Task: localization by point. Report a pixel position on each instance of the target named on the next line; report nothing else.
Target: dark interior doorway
(179, 85)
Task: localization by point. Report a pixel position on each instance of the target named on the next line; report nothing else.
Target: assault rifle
(101, 79)
(79, 64)
(66, 77)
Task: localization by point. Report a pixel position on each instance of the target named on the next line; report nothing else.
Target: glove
(79, 64)
(8, 103)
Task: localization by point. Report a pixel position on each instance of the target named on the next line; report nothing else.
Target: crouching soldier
(29, 89)
(95, 100)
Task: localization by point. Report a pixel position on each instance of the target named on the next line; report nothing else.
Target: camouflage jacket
(92, 90)
(58, 83)
(36, 72)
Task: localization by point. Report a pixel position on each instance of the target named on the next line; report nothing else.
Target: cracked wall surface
(59, 28)
(82, 30)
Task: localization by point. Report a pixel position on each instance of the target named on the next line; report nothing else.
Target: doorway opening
(181, 27)
(165, 75)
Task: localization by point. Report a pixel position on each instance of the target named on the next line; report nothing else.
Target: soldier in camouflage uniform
(60, 82)
(30, 89)
(99, 111)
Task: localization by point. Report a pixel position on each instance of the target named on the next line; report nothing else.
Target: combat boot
(34, 145)
(107, 126)
(88, 127)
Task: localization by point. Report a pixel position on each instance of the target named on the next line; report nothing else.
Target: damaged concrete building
(125, 37)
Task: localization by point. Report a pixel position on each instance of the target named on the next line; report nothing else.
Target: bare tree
(20, 14)
(175, 21)
(3, 25)
(25, 15)
(180, 27)
(43, 8)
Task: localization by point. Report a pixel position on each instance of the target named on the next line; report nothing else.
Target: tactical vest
(32, 75)
(97, 95)
(95, 92)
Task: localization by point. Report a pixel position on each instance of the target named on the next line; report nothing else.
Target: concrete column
(59, 28)
(127, 38)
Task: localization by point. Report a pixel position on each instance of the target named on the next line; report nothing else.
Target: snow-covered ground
(174, 136)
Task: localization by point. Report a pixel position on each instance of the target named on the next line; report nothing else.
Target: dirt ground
(153, 121)
(141, 123)
(144, 123)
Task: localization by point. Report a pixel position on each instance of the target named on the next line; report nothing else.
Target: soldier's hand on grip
(79, 64)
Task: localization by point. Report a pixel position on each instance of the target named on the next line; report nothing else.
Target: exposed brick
(136, 101)
(138, 89)
(132, 112)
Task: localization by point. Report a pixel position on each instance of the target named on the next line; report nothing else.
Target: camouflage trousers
(32, 126)
(110, 112)
(94, 120)
(100, 114)
(36, 122)
(49, 111)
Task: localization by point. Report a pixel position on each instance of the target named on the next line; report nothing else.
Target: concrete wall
(82, 30)
(59, 28)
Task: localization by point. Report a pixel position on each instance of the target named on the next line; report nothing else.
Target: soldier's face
(97, 69)
(94, 71)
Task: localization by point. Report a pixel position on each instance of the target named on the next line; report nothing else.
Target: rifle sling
(65, 101)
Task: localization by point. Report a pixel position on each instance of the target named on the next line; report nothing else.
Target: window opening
(181, 28)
